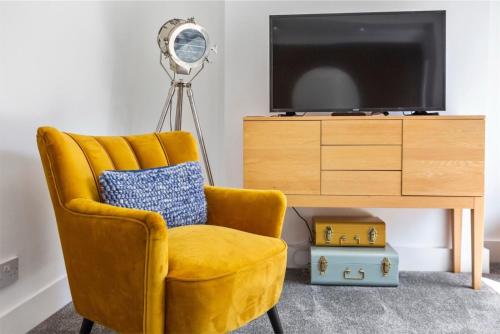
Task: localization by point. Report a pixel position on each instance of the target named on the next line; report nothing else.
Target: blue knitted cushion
(176, 192)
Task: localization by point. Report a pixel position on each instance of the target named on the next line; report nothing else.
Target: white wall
(493, 124)
(471, 46)
(88, 68)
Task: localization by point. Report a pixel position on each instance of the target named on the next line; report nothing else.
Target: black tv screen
(358, 62)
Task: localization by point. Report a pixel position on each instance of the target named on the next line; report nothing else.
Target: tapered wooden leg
(477, 231)
(86, 326)
(456, 238)
(275, 320)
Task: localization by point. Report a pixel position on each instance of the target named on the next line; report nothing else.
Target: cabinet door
(443, 157)
(283, 155)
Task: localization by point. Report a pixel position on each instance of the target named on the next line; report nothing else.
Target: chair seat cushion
(220, 278)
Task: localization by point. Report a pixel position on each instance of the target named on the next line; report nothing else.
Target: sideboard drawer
(361, 183)
(368, 157)
(361, 132)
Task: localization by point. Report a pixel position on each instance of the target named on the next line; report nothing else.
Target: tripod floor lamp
(184, 44)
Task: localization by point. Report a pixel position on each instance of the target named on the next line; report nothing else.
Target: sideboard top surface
(376, 117)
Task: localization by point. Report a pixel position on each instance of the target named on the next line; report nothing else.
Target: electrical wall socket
(9, 272)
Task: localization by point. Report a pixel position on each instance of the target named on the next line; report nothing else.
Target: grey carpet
(424, 302)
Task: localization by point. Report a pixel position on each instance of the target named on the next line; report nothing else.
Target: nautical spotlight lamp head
(185, 44)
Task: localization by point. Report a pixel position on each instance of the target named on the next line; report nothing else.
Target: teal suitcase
(354, 266)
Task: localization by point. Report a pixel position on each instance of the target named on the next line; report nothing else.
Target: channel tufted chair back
(132, 274)
(79, 160)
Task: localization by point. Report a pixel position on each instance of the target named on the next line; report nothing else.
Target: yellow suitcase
(349, 231)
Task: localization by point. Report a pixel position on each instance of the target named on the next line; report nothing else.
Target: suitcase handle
(344, 238)
(347, 273)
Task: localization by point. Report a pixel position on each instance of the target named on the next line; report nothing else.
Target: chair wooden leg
(86, 326)
(275, 320)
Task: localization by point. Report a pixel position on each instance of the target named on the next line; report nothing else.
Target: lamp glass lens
(190, 45)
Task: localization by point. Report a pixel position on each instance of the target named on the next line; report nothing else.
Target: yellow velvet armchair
(130, 273)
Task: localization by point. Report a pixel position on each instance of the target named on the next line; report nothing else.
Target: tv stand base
(424, 113)
(357, 113)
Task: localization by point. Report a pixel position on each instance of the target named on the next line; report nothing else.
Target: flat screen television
(358, 62)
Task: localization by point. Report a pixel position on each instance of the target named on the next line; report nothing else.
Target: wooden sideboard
(374, 162)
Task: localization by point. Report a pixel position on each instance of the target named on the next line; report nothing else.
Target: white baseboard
(410, 258)
(494, 247)
(436, 259)
(35, 309)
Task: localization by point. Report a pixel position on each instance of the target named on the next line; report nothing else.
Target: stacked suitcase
(352, 251)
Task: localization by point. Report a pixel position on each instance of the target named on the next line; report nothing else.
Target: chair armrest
(117, 262)
(256, 211)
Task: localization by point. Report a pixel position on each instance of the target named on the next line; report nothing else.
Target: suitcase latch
(328, 233)
(323, 265)
(372, 235)
(386, 266)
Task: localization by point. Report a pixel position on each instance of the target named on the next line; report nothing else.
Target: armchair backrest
(73, 163)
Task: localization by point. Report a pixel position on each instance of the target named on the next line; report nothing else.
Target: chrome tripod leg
(178, 111)
(189, 92)
(166, 106)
